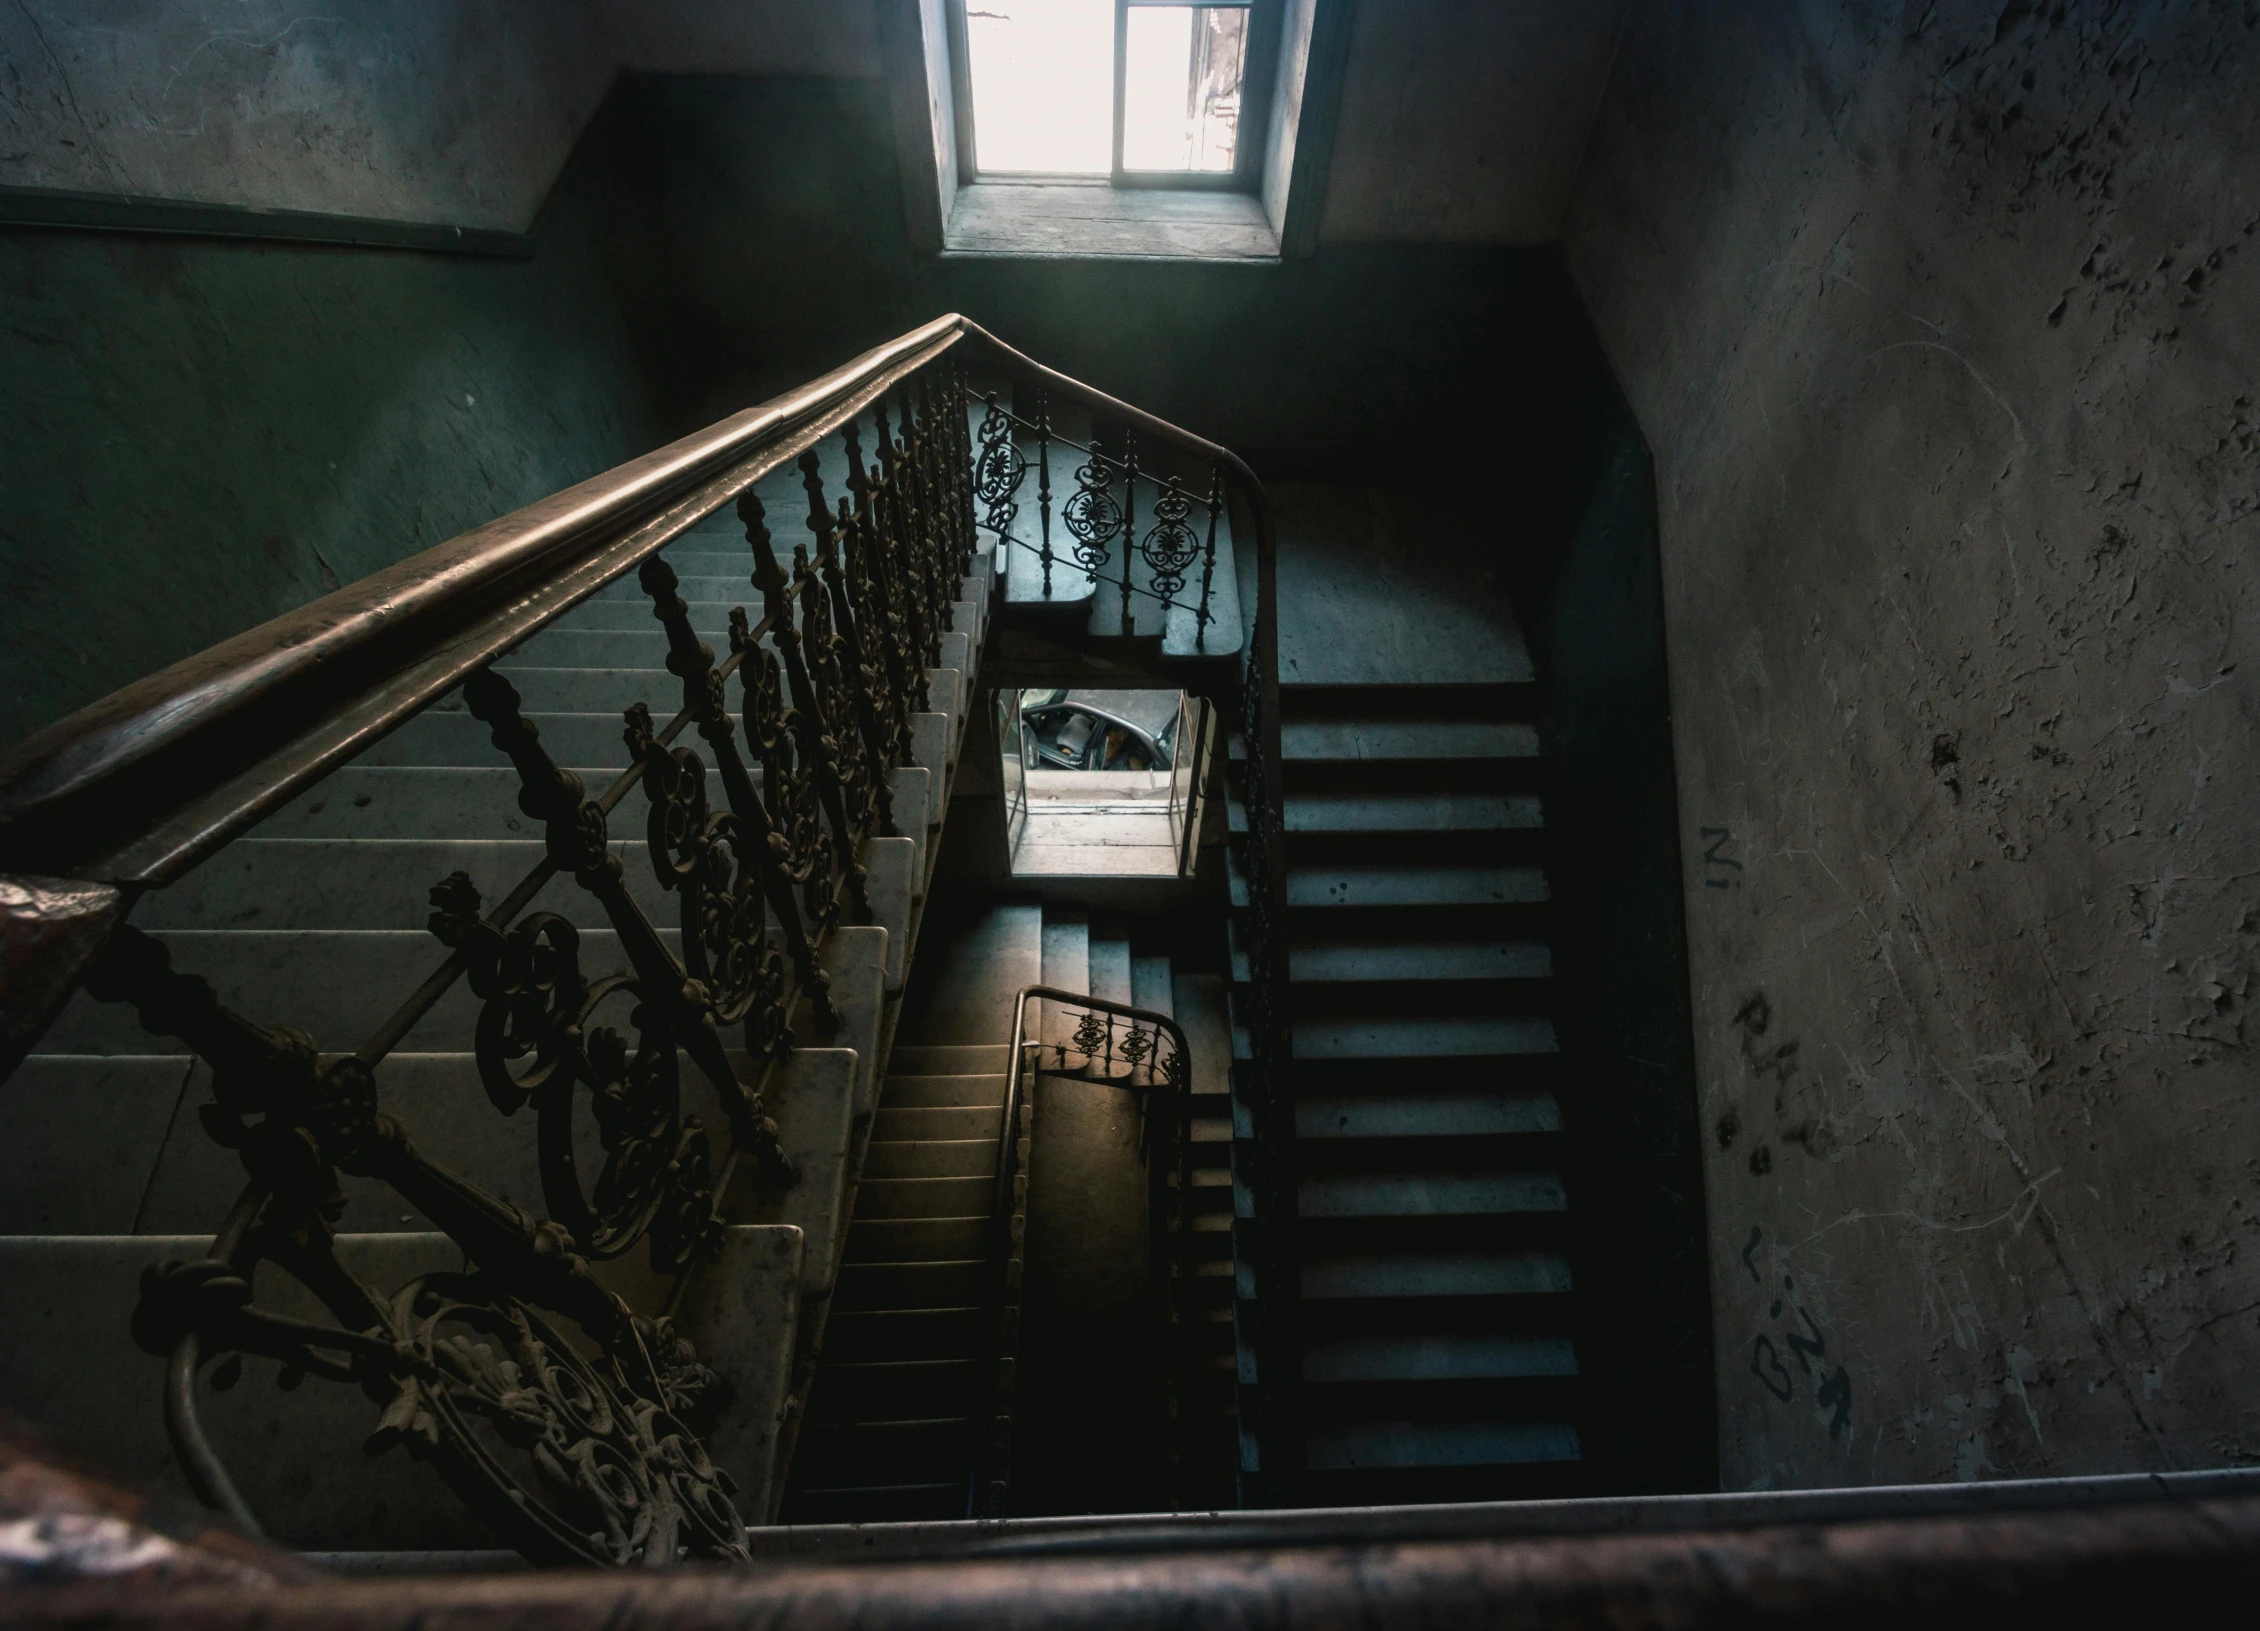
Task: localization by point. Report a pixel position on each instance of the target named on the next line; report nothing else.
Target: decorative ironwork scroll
(1170, 547)
(585, 1451)
(998, 471)
(1092, 515)
(571, 1462)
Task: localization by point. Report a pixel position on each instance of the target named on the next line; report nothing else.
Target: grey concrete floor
(1388, 586)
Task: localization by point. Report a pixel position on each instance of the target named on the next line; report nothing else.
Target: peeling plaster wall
(1943, 322)
(462, 111)
(200, 436)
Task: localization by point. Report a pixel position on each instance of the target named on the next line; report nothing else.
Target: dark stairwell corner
(1281, 813)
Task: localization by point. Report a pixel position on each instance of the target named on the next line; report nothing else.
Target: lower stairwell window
(1103, 783)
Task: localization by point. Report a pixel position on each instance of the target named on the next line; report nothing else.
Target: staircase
(1436, 1318)
(896, 1336)
(319, 918)
(909, 1353)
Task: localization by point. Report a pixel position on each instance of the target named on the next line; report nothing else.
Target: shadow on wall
(201, 435)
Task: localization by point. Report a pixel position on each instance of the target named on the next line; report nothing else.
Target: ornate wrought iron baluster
(657, 1181)
(901, 564)
(1044, 481)
(936, 541)
(575, 831)
(749, 839)
(858, 668)
(905, 539)
(998, 472)
(781, 597)
(882, 594)
(945, 480)
(798, 841)
(1169, 546)
(1091, 515)
(1208, 565)
(1129, 523)
(448, 1354)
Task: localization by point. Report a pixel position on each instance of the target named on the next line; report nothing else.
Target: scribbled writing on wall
(1804, 1343)
(1720, 869)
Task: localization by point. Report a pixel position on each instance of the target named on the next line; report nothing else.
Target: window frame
(1259, 68)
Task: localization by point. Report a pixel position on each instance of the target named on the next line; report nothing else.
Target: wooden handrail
(138, 787)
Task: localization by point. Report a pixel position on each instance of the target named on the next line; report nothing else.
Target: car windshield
(1100, 730)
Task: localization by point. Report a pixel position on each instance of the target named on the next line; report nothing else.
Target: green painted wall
(777, 217)
(200, 435)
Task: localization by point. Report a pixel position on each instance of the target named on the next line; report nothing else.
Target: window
(1114, 129)
(1142, 92)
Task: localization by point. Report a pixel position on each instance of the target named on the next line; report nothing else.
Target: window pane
(1181, 87)
(1043, 85)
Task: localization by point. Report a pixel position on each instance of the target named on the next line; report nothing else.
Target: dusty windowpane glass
(1182, 68)
(1042, 75)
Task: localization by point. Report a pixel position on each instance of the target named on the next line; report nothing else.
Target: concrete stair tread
(931, 1158)
(967, 1091)
(1365, 1276)
(1391, 742)
(1427, 1194)
(1407, 886)
(1411, 812)
(912, 1058)
(1425, 1037)
(1426, 1109)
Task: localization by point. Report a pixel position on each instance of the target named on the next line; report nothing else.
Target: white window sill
(1077, 220)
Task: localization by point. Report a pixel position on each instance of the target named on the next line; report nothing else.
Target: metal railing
(1101, 519)
(1113, 1042)
(569, 1458)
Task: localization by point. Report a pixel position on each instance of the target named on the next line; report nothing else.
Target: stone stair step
(913, 1093)
(889, 1334)
(1427, 1037)
(1436, 1356)
(915, 1387)
(1391, 742)
(1427, 1194)
(950, 1059)
(1425, 1109)
(936, 1122)
(1392, 1444)
(1410, 812)
(941, 1158)
(918, 1240)
(1372, 1275)
(1150, 985)
(1110, 968)
(1407, 886)
(960, 1283)
(925, 1197)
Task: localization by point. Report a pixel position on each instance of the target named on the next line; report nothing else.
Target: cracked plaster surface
(1943, 323)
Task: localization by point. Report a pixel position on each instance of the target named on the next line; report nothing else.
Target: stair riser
(851, 1338)
(1333, 704)
(867, 1287)
(894, 1392)
(944, 1092)
(1413, 998)
(1458, 780)
(836, 1455)
(956, 1158)
(954, 1123)
(925, 1197)
(919, 1240)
